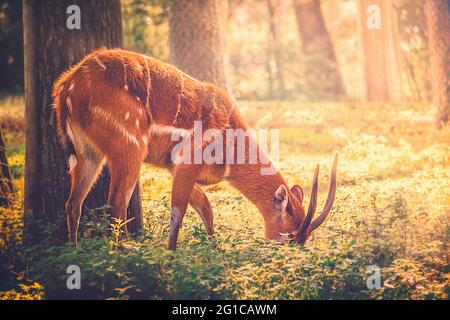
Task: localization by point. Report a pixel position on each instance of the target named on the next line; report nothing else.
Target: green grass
(392, 210)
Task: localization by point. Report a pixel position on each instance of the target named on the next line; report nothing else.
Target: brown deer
(122, 109)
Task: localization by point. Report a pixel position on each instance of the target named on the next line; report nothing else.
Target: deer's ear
(298, 192)
(281, 199)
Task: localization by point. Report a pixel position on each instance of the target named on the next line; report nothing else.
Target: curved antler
(308, 225)
(330, 198)
(312, 203)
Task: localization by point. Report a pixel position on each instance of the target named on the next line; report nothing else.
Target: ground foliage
(392, 210)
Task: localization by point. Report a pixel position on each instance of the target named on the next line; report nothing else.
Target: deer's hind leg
(124, 171)
(85, 168)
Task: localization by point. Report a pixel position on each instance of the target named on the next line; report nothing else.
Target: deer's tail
(62, 105)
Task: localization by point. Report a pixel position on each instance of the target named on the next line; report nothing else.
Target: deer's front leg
(184, 177)
(199, 201)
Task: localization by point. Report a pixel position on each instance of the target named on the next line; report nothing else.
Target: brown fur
(120, 107)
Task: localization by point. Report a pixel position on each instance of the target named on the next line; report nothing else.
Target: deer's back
(171, 97)
(139, 100)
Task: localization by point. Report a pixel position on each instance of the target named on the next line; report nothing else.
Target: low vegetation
(391, 211)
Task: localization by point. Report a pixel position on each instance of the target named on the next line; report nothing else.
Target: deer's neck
(257, 182)
(258, 188)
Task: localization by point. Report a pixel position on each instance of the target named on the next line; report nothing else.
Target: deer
(121, 109)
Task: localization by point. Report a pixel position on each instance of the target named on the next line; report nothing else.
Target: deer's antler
(308, 224)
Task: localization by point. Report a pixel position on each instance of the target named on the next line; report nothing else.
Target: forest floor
(392, 211)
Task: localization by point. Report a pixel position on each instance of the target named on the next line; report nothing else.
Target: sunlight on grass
(392, 210)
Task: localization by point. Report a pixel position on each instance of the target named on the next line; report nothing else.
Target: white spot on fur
(137, 124)
(127, 116)
(61, 88)
(132, 139)
(70, 133)
(145, 139)
(100, 63)
(105, 117)
(72, 162)
(156, 129)
(72, 85)
(138, 99)
(125, 75)
(69, 104)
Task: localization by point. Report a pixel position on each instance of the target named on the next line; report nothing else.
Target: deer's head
(292, 224)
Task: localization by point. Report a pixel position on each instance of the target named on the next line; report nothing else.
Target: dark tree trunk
(438, 19)
(6, 184)
(50, 48)
(197, 43)
(322, 73)
(11, 44)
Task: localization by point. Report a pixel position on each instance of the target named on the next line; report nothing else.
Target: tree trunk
(197, 43)
(379, 48)
(50, 48)
(6, 184)
(438, 19)
(322, 73)
(275, 46)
